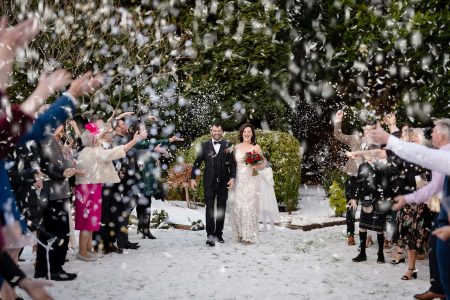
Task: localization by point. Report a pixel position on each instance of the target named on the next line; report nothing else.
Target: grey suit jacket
(53, 163)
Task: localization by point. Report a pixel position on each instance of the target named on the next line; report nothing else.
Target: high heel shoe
(413, 275)
(146, 234)
(398, 260)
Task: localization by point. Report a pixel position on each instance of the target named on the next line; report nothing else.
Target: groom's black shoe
(220, 239)
(210, 241)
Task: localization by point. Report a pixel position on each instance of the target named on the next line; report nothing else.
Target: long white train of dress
(243, 200)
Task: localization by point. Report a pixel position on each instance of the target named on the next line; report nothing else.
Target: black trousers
(55, 218)
(143, 211)
(214, 223)
(350, 186)
(124, 209)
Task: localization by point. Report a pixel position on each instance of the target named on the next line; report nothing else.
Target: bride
(244, 196)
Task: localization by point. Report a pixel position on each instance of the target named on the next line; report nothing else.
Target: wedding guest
(354, 142)
(55, 198)
(97, 163)
(149, 151)
(14, 126)
(440, 140)
(411, 219)
(126, 191)
(26, 181)
(56, 193)
(371, 175)
(435, 160)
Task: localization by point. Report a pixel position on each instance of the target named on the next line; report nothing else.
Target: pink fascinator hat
(92, 128)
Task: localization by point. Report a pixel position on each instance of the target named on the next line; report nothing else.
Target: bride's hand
(260, 166)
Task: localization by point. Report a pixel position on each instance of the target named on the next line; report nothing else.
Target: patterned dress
(244, 201)
(415, 226)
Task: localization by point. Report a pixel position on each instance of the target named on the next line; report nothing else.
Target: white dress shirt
(434, 187)
(216, 146)
(432, 159)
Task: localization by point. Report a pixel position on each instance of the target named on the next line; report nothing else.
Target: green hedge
(285, 155)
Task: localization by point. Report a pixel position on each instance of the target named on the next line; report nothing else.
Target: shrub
(330, 176)
(337, 198)
(159, 219)
(285, 155)
(197, 225)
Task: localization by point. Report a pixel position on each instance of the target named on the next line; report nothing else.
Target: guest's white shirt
(432, 159)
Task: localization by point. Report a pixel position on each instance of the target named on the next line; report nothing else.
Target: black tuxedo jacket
(219, 167)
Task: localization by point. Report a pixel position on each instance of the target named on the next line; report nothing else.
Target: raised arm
(391, 121)
(337, 131)
(138, 137)
(12, 39)
(65, 106)
(374, 153)
(432, 159)
(48, 84)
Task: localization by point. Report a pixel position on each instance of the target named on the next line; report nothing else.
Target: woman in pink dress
(97, 163)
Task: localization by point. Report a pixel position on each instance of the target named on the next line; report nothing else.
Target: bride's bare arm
(262, 165)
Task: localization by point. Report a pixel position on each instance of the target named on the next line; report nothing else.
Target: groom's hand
(193, 184)
(230, 183)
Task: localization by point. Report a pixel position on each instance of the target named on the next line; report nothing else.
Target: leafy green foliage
(337, 198)
(159, 219)
(242, 53)
(379, 56)
(332, 175)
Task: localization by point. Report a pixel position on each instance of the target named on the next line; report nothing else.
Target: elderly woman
(97, 162)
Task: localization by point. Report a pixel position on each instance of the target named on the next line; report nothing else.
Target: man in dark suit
(218, 177)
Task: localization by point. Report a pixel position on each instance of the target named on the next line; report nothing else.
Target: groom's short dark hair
(216, 124)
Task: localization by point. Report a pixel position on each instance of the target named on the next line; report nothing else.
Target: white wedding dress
(243, 200)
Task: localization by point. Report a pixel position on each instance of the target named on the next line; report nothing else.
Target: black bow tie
(219, 142)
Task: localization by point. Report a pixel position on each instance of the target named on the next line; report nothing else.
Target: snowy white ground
(287, 264)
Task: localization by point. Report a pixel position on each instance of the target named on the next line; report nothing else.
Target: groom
(219, 175)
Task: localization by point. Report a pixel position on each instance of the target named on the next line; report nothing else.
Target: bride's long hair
(241, 133)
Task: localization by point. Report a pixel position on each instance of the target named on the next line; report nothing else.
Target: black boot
(380, 239)
(146, 233)
(362, 253)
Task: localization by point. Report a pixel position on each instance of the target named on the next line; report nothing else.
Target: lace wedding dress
(243, 199)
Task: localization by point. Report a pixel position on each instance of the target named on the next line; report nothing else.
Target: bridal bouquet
(252, 158)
